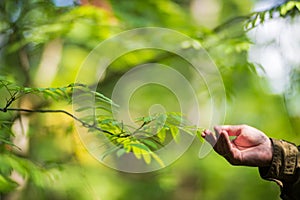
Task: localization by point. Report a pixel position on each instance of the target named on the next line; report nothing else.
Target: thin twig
(139, 128)
(83, 123)
(10, 101)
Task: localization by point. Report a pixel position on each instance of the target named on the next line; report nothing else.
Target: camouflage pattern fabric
(284, 169)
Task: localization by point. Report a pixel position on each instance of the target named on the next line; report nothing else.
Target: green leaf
(121, 152)
(49, 94)
(148, 119)
(198, 133)
(109, 152)
(271, 13)
(161, 119)
(8, 142)
(157, 159)
(41, 89)
(84, 108)
(5, 168)
(7, 185)
(137, 152)
(255, 19)
(262, 17)
(27, 90)
(147, 157)
(140, 146)
(127, 147)
(298, 5)
(15, 163)
(162, 135)
(177, 117)
(188, 130)
(103, 108)
(290, 5)
(150, 143)
(283, 10)
(13, 9)
(103, 98)
(175, 133)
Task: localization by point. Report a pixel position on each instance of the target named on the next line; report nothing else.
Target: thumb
(223, 145)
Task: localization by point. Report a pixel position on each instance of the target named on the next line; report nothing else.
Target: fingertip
(206, 132)
(218, 129)
(209, 136)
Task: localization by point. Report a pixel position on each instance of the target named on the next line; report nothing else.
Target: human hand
(251, 147)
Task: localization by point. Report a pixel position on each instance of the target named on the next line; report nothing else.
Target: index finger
(232, 130)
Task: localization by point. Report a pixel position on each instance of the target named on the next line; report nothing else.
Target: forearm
(284, 168)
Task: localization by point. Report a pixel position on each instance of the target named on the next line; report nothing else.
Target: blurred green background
(43, 44)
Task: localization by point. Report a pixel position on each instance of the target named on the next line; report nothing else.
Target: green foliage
(153, 133)
(6, 133)
(25, 22)
(28, 170)
(26, 26)
(167, 14)
(287, 9)
(16, 92)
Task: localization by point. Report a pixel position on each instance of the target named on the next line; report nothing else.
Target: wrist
(283, 164)
(269, 153)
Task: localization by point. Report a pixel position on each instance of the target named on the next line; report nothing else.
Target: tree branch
(83, 123)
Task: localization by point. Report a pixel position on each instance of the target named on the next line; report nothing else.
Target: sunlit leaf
(150, 143)
(137, 152)
(290, 5)
(146, 157)
(175, 133)
(162, 135)
(140, 146)
(157, 159)
(298, 5)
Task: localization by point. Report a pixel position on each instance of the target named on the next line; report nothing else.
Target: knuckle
(243, 126)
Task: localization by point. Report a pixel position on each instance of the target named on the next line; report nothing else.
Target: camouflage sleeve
(284, 169)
